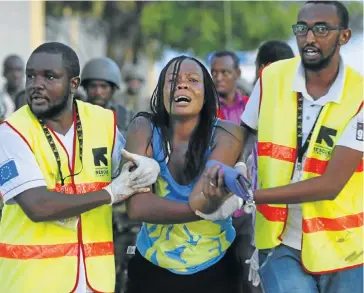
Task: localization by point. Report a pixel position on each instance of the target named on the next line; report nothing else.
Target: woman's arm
(150, 208)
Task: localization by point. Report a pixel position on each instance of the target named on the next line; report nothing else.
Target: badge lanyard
(301, 149)
(54, 147)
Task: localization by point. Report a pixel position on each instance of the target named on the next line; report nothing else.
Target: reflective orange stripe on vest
(277, 214)
(54, 251)
(275, 151)
(273, 214)
(338, 224)
(60, 250)
(80, 188)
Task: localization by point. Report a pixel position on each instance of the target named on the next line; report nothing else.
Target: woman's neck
(182, 129)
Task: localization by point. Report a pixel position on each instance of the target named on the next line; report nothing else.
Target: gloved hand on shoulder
(118, 188)
(146, 172)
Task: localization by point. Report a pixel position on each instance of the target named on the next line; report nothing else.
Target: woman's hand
(213, 192)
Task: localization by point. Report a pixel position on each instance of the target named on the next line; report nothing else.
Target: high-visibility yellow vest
(43, 257)
(332, 229)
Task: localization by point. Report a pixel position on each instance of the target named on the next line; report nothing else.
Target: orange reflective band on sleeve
(317, 166)
(54, 251)
(339, 224)
(276, 151)
(273, 214)
(80, 188)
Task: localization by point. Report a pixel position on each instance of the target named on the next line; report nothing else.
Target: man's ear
(345, 36)
(74, 84)
(238, 72)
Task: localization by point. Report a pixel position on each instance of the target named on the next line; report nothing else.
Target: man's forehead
(45, 61)
(225, 61)
(315, 13)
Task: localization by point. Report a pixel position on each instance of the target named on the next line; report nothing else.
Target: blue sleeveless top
(182, 248)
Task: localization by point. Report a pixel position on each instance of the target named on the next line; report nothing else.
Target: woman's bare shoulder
(228, 128)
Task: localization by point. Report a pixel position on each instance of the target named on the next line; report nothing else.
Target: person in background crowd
(100, 78)
(225, 72)
(57, 160)
(132, 97)
(307, 112)
(176, 251)
(20, 99)
(13, 72)
(244, 86)
(269, 52)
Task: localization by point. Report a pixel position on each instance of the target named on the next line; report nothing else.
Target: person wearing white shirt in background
(309, 220)
(13, 71)
(57, 161)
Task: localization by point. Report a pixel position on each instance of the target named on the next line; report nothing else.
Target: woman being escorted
(176, 250)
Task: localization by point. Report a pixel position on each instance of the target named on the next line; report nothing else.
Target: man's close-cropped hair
(69, 56)
(272, 51)
(341, 9)
(219, 54)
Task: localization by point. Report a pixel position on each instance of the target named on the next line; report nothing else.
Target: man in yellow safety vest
(57, 160)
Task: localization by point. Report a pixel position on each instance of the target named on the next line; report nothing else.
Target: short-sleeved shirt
(311, 109)
(14, 148)
(233, 112)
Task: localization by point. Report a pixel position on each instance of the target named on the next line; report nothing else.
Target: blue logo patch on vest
(8, 171)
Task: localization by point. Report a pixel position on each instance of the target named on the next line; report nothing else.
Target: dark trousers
(145, 277)
(243, 250)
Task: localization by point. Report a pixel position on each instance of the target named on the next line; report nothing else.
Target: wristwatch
(249, 205)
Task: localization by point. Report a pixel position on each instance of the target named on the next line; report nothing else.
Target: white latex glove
(253, 269)
(229, 206)
(118, 189)
(145, 174)
(241, 168)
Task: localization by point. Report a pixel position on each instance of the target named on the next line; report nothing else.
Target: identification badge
(359, 131)
(299, 166)
(297, 172)
(70, 223)
(131, 250)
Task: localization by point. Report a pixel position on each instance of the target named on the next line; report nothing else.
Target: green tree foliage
(146, 27)
(200, 26)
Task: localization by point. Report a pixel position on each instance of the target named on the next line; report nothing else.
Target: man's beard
(323, 62)
(55, 110)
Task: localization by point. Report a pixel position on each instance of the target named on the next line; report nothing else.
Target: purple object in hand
(234, 181)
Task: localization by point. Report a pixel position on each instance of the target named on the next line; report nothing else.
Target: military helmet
(102, 68)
